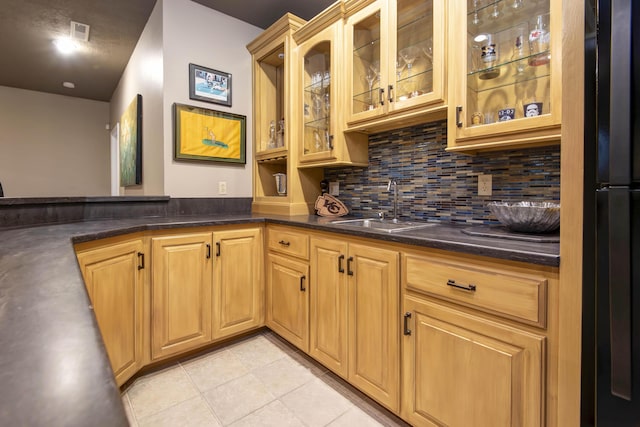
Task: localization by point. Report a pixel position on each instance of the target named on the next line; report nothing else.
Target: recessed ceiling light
(69, 85)
(65, 45)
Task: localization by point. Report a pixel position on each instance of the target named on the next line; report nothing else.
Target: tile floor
(259, 381)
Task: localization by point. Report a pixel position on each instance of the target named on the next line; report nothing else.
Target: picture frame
(130, 143)
(202, 134)
(209, 85)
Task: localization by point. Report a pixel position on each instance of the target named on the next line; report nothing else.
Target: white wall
(144, 75)
(196, 34)
(52, 145)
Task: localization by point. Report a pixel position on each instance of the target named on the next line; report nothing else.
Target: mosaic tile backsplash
(437, 185)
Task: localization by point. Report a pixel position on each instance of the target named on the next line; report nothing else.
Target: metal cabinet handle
(468, 287)
(390, 93)
(349, 270)
(407, 316)
(208, 251)
(302, 279)
(458, 111)
(330, 142)
(381, 96)
(340, 267)
(217, 248)
(284, 243)
(140, 260)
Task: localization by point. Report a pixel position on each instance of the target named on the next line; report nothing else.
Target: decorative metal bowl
(527, 217)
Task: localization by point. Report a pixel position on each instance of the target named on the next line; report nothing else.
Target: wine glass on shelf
(476, 18)
(370, 76)
(427, 50)
(409, 55)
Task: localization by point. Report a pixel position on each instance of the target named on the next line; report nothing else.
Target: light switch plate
(222, 187)
(334, 188)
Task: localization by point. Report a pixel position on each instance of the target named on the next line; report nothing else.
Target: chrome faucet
(395, 198)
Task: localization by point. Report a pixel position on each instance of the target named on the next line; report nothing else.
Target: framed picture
(131, 144)
(209, 85)
(209, 135)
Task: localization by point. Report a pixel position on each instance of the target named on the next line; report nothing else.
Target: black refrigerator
(611, 264)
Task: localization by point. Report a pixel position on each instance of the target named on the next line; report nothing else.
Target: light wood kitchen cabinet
(462, 370)
(354, 315)
(114, 278)
(321, 139)
(505, 74)
(288, 299)
(238, 297)
(287, 291)
(480, 332)
(276, 122)
(181, 283)
(396, 53)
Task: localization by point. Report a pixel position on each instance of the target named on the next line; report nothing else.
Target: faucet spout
(395, 197)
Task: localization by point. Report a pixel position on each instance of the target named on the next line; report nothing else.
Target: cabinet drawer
(288, 241)
(512, 294)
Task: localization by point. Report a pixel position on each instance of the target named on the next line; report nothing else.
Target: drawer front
(511, 294)
(288, 241)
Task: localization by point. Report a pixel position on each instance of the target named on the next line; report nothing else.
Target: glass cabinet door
(395, 52)
(511, 76)
(412, 61)
(318, 102)
(365, 32)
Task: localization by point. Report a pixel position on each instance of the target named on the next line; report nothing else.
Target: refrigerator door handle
(620, 290)
(620, 94)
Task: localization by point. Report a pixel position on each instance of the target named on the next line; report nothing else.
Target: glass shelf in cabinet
(507, 15)
(365, 50)
(402, 27)
(321, 123)
(526, 58)
(510, 81)
(317, 88)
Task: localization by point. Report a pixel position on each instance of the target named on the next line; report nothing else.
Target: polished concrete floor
(259, 381)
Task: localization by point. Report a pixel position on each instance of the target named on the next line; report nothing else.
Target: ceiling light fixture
(65, 45)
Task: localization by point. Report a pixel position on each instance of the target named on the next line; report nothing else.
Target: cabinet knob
(284, 243)
(349, 270)
(217, 248)
(381, 96)
(340, 267)
(302, 279)
(140, 260)
(390, 93)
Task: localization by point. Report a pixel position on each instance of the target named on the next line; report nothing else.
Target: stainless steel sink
(389, 226)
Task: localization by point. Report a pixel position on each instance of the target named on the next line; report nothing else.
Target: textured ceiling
(30, 61)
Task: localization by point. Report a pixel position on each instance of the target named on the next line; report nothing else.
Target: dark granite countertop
(53, 367)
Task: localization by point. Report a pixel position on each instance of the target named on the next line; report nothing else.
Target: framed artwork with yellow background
(209, 135)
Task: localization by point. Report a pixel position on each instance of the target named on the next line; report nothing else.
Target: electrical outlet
(222, 187)
(484, 185)
(334, 188)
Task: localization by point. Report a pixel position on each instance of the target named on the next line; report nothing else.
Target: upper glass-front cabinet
(395, 54)
(321, 136)
(505, 68)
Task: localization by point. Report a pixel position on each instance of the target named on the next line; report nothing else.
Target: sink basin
(386, 225)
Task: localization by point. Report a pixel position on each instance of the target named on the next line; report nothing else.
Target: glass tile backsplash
(434, 184)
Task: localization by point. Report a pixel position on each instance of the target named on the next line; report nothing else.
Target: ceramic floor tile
(156, 392)
(283, 375)
(218, 368)
(191, 413)
(257, 352)
(274, 414)
(316, 404)
(238, 398)
(129, 411)
(355, 417)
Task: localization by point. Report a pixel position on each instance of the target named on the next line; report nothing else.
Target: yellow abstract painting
(203, 134)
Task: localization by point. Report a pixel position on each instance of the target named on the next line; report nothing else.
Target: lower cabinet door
(463, 370)
(180, 293)
(115, 285)
(238, 298)
(288, 299)
(374, 332)
(328, 300)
